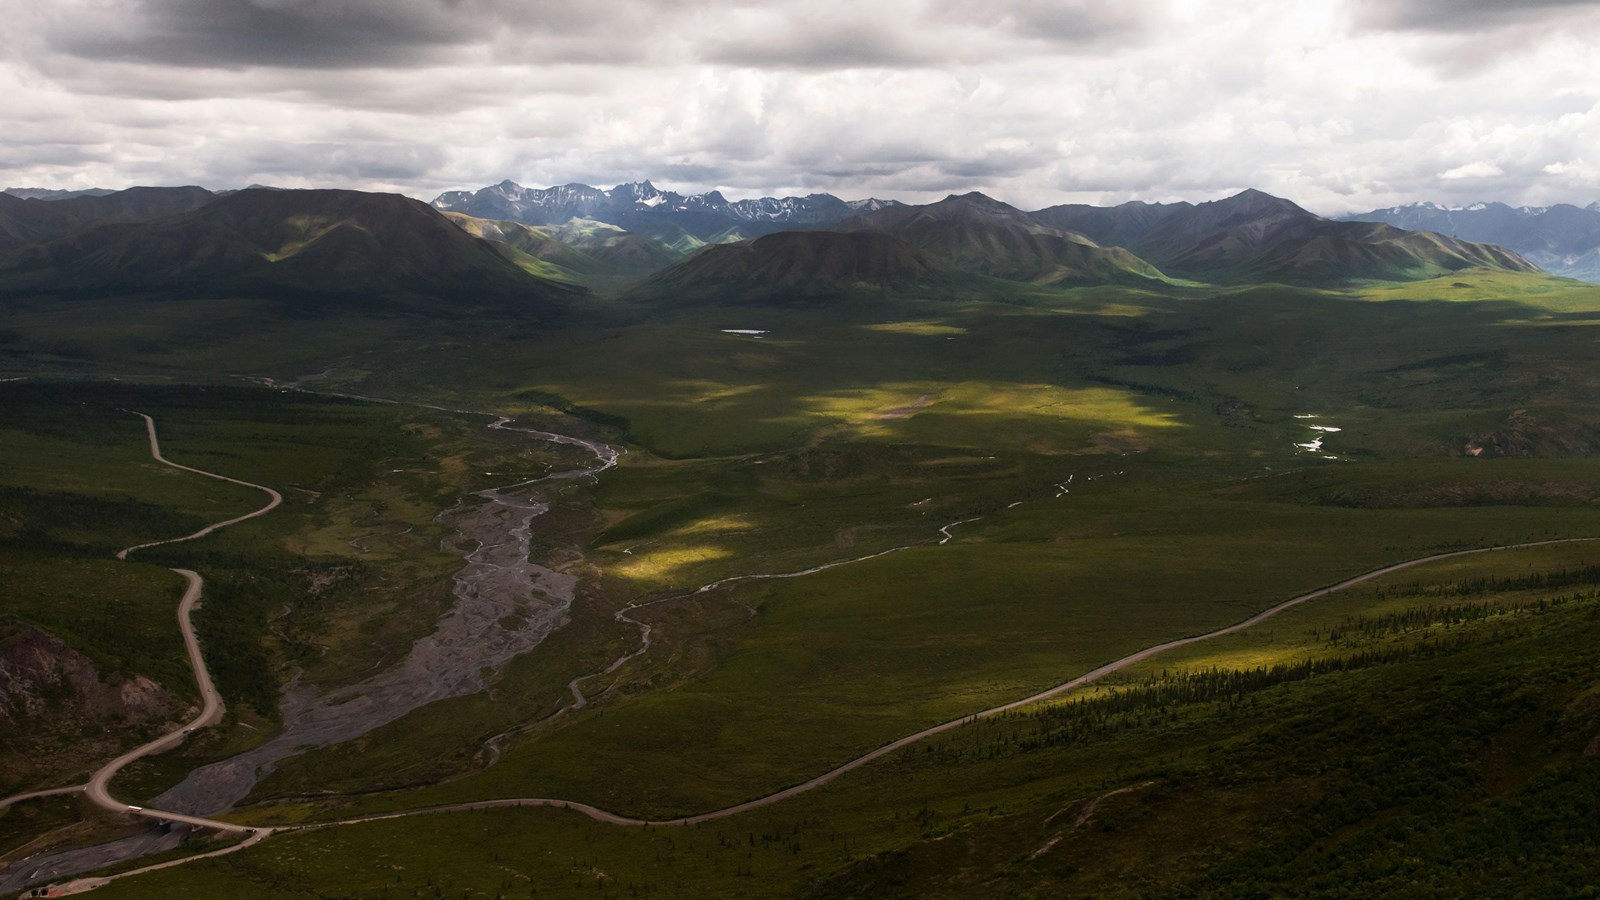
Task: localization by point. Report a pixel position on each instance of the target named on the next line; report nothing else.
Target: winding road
(211, 710)
(1094, 675)
(97, 787)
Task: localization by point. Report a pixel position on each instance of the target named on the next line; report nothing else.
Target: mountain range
(273, 242)
(1250, 237)
(53, 194)
(25, 221)
(1254, 236)
(682, 222)
(257, 242)
(1563, 239)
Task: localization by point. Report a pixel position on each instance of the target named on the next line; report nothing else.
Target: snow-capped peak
(639, 205)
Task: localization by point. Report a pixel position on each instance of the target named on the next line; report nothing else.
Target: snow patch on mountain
(666, 215)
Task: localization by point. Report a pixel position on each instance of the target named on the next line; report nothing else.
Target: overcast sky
(1340, 105)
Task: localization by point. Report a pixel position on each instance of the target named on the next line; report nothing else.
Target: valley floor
(1046, 597)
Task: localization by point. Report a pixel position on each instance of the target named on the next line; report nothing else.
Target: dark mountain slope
(612, 245)
(1109, 226)
(1563, 239)
(574, 250)
(1383, 253)
(798, 264)
(1253, 236)
(32, 221)
(269, 242)
(978, 234)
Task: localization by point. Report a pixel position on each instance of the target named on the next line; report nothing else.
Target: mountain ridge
(1563, 238)
(791, 265)
(271, 242)
(683, 221)
(1254, 236)
(980, 235)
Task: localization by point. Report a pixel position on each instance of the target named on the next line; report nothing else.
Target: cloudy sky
(1340, 105)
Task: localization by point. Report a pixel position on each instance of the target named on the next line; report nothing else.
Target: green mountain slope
(266, 241)
(624, 250)
(799, 263)
(574, 250)
(977, 234)
(30, 221)
(1253, 236)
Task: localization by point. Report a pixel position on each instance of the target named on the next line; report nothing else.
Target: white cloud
(1339, 104)
(1478, 169)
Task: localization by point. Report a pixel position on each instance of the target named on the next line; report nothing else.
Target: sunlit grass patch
(661, 564)
(702, 392)
(1545, 292)
(929, 329)
(887, 411)
(717, 525)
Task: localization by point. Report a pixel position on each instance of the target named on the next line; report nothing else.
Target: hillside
(1563, 239)
(1253, 236)
(268, 241)
(798, 264)
(978, 234)
(28, 220)
(629, 252)
(576, 250)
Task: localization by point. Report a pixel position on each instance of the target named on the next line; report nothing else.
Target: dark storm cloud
(823, 46)
(291, 33)
(1461, 15)
(1073, 22)
(345, 34)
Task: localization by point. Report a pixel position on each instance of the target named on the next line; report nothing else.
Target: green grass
(1369, 776)
(122, 615)
(849, 430)
(842, 661)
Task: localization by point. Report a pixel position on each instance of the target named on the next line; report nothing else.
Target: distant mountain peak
(978, 198)
(1564, 238)
(639, 206)
(53, 194)
(1253, 200)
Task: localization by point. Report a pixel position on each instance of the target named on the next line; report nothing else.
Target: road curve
(81, 885)
(1093, 675)
(210, 714)
(98, 787)
(155, 451)
(34, 795)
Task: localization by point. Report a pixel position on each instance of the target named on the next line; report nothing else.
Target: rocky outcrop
(59, 713)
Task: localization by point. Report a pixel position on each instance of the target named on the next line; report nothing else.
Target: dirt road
(1094, 675)
(97, 790)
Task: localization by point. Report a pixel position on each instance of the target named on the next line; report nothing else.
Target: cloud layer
(1338, 104)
